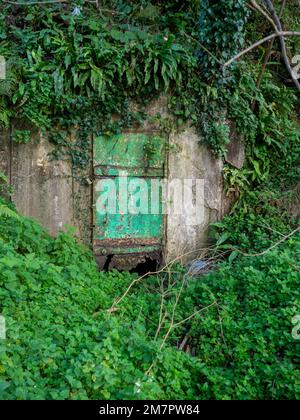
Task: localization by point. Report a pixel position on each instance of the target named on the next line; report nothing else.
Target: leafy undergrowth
(63, 343)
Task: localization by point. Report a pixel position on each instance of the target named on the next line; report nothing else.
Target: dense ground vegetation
(225, 334)
(62, 342)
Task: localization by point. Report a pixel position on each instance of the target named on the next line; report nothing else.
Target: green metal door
(129, 221)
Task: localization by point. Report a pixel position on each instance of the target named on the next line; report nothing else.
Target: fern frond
(5, 211)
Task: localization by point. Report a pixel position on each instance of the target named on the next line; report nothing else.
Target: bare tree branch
(278, 24)
(257, 7)
(269, 51)
(258, 43)
(135, 281)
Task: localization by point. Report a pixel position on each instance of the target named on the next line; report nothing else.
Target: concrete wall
(46, 190)
(5, 153)
(190, 160)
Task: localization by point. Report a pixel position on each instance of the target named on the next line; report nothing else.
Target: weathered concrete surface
(190, 160)
(45, 189)
(236, 149)
(48, 191)
(82, 206)
(42, 189)
(5, 153)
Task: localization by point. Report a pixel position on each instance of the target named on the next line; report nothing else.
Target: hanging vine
(71, 65)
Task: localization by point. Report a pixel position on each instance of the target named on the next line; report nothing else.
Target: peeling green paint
(139, 153)
(141, 158)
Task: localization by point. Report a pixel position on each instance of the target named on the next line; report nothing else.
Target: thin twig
(194, 314)
(271, 229)
(160, 325)
(184, 341)
(271, 247)
(221, 326)
(150, 273)
(203, 47)
(176, 325)
(161, 315)
(174, 312)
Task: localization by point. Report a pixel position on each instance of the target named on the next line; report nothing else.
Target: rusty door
(128, 217)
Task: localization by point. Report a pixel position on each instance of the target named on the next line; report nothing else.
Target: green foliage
(265, 116)
(5, 211)
(62, 343)
(258, 220)
(221, 30)
(5, 188)
(22, 136)
(254, 355)
(72, 75)
(265, 119)
(67, 72)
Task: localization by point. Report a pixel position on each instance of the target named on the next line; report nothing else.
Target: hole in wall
(134, 264)
(107, 262)
(149, 265)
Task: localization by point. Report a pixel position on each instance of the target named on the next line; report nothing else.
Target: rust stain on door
(127, 230)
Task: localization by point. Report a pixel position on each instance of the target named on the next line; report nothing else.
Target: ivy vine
(80, 70)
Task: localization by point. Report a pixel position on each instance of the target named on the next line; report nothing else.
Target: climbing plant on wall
(263, 108)
(221, 29)
(71, 65)
(69, 70)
